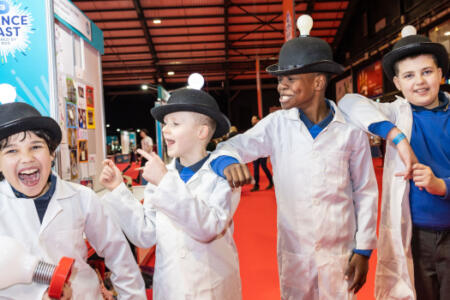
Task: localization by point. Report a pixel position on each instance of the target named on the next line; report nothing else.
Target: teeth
(28, 172)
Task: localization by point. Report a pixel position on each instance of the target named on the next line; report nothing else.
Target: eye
(35, 147)
(10, 151)
(427, 72)
(408, 76)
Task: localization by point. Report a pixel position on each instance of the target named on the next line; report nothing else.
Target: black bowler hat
(305, 54)
(187, 99)
(17, 117)
(412, 44)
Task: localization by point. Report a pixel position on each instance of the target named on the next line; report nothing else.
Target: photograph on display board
(90, 118)
(82, 151)
(71, 115)
(370, 80)
(80, 92)
(71, 95)
(73, 164)
(82, 118)
(344, 86)
(89, 96)
(72, 138)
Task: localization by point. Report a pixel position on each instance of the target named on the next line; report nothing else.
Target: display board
(80, 107)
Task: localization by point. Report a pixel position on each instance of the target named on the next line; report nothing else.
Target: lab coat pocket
(295, 271)
(331, 273)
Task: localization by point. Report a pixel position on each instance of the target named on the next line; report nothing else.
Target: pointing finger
(144, 154)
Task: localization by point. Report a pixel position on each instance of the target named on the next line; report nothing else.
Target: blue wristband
(399, 138)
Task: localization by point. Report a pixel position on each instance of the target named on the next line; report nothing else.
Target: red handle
(60, 277)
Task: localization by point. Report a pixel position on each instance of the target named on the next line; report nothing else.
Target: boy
(50, 216)
(415, 216)
(324, 180)
(188, 208)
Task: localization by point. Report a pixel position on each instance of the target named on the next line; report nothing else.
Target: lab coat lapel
(62, 191)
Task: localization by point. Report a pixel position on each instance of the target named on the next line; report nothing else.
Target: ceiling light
(107, 125)
(447, 33)
(156, 21)
(196, 81)
(118, 129)
(170, 73)
(138, 130)
(144, 87)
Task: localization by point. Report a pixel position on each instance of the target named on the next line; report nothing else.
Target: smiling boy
(188, 208)
(50, 216)
(413, 256)
(324, 180)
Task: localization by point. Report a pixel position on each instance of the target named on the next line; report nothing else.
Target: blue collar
(443, 104)
(47, 196)
(322, 124)
(194, 168)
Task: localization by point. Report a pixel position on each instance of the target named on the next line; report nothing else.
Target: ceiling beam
(351, 9)
(148, 37)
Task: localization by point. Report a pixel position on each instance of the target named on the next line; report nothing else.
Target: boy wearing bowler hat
(51, 217)
(324, 180)
(188, 208)
(414, 247)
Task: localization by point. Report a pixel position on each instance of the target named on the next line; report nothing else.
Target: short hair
(208, 121)
(43, 134)
(396, 70)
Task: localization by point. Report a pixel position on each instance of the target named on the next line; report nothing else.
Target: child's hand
(357, 269)
(154, 169)
(66, 293)
(424, 178)
(237, 175)
(406, 153)
(111, 177)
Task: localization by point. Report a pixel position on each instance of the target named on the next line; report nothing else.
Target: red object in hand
(60, 277)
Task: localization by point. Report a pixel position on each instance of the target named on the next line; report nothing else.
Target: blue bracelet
(399, 138)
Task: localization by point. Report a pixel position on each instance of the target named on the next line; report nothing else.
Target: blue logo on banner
(4, 7)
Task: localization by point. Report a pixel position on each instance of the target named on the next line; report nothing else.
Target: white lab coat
(326, 195)
(395, 274)
(192, 227)
(73, 210)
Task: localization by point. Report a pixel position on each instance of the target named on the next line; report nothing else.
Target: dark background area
(128, 107)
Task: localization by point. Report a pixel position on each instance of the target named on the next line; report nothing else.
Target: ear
(440, 72)
(320, 82)
(397, 83)
(203, 132)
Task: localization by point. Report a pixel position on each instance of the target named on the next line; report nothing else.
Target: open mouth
(284, 98)
(421, 91)
(29, 177)
(169, 142)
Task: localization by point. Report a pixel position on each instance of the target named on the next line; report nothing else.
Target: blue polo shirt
(430, 140)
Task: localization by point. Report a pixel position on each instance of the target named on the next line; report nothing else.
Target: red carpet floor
(255, 236)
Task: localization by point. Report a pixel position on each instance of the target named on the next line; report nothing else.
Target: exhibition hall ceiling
(163, 41)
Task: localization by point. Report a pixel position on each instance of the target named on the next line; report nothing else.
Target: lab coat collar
(292, 113)
(63, 190)
(205, 167)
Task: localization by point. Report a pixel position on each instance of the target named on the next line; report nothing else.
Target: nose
(282, 83)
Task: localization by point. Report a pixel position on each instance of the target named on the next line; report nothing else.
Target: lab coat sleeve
(362, 112)
(109, 242)
(203, 217)
(252, 144)
(365, 192)
(136, 220)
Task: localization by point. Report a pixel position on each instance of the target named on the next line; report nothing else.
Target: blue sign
(24, 62)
